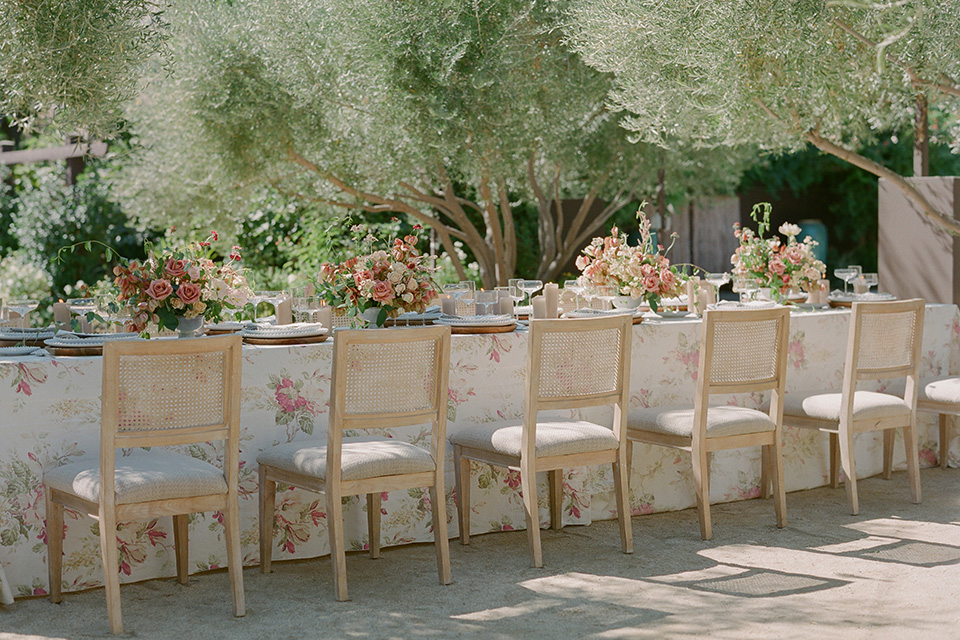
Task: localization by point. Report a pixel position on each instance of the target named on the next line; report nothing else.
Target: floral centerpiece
(392, 276)
(175, 284)
(642, 271)
(780, 266)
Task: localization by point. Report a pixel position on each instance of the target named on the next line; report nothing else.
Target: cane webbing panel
(170, 391)
(390, 378)
(886, 340)
(745, 352)
(579, 363)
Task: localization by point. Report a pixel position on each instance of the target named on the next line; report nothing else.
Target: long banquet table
(51, 411)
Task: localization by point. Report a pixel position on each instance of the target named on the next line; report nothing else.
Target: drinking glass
(530, 287)
(487, 302)
(717, 280)
(455, 289)
(747, 288)
(516, 293)
(848, 275)
(871, 280)
(273, 298)
(607, 293)
(22, 307)
(574, 287)
(306, 309)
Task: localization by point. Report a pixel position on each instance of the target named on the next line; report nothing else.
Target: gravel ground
(891, 572)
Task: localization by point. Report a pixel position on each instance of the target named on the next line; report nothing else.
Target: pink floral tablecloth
(51, 410)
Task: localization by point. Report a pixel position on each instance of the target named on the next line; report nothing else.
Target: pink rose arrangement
(175, 283)
(777, 265)
(642, 271)
(392, 275)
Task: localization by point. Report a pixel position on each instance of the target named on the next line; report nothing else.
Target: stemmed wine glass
(607, 293)
(22, 308)
(574, 287)
(747, 288)
(717, 280)
(871, 280)
(81, 307)
(848, 275)
(530, 287)
(457, 290)
(272, 298)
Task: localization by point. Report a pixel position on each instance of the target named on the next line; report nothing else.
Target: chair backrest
(742, 351)
(573, 363)
(170, 392)
(389, 378)
(883, 342)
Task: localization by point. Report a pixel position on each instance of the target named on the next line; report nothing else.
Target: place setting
(287, 334)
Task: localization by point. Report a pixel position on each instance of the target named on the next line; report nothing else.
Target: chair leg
(438, 500)
(556, 498)
(528, 484)
(834, 460)
(234, 556)
(944, 440)
(888, 439)
(775, 456)
(373, 523)
(181, 543)
(462, 468)
(765, 466)
(111, 568)
(54, 546)
(621, 488)
(268, 506)
(338, 557)
(701, 482)
(913, 460)
(628, 445)
(849, 469)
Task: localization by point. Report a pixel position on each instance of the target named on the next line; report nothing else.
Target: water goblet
(747, 288)
(530, 287)
(273, 298)
(574, 287)
(22, 307)
(848, 275)
(486, 302)
(607, 293)
(871, 280)
(717, 280)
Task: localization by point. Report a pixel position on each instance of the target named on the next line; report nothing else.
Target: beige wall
(917, 257)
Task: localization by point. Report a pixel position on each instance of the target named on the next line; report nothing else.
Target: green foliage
(48, 215)
(73, 62)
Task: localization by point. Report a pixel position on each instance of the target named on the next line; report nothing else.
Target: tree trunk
(921, 139)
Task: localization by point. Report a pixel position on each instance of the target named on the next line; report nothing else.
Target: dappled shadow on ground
(881, 574)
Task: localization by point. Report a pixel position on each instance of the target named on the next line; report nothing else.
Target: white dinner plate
(476, 321)
(13, 352)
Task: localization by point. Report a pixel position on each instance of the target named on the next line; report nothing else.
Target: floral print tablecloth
(51, 410)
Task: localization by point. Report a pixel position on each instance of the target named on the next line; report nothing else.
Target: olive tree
(459, 115)
(780, 74)
(71, 63)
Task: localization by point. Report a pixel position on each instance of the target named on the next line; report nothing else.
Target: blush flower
(188, 292)
(160, 289)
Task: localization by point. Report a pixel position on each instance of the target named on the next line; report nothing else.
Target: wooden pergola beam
(63, 152)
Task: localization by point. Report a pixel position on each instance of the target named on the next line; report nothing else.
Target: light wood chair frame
(334, 487)
(700, 445)
(109, 513)
(528, 464)
(944, 411)
(842, 433)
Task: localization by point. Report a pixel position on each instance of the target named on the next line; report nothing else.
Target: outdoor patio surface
(891, 572)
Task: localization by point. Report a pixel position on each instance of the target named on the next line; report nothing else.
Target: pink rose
(382, 291)
(175, 268)
(159, 289)
(667, 278)
(193, 271)
(777, 266)
(651, 283)
(188, 292)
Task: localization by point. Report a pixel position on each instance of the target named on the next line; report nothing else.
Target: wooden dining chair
(381, 379)
(156, 393)
(883, 343)
(571, 364)
(940, 395)
(741, 351)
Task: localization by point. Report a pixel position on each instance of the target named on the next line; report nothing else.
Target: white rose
(407, 297)
(790, 230)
